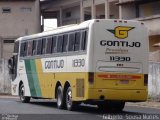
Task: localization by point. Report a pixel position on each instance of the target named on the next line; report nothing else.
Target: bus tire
(70, 104)
(60, 98)
(23, 99)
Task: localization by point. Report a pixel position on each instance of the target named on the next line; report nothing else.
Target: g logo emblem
(121, 32)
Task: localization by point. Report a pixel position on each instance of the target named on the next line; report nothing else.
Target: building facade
(147, 11)
(17, 18)
(76, 11)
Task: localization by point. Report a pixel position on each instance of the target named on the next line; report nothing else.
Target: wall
(5, 81)
(153, 23)
(128, 11)
(75, 15)
(24, 19)
(154, 79)
(20, 21)
(152, 41)
(114, 11)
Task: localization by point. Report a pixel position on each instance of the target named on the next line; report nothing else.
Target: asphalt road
(13, 109)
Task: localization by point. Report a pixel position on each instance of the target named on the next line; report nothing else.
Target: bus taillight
(91, 77)
(146, 80)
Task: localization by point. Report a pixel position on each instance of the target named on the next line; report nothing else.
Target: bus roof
(58, 30)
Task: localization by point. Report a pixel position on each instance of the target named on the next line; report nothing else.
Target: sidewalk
(148, 104)
(5, 95)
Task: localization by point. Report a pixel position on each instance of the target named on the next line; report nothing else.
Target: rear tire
(70, 104)
(60, 98)
(23, 99)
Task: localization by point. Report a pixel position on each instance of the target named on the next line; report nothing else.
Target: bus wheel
(23, 98)
(59, 97)
(70, 104)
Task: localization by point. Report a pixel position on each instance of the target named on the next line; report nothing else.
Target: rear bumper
(115, 94)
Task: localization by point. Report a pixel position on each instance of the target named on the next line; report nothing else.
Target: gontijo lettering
(54, 64)
(120, 43)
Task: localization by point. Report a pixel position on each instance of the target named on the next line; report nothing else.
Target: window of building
(87, 17)
(6, 10)
(26, 9)
(68, 14)
(8, 41)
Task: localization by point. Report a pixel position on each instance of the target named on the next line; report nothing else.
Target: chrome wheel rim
(22, 93)
(69, 98)
(59, 98)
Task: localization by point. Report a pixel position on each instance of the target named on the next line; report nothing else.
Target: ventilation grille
(80, 87)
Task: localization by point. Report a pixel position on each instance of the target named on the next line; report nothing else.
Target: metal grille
(80, 87)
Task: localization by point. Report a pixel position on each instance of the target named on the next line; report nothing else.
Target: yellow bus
(102, 62)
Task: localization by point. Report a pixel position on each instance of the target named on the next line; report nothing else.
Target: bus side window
(71, 42)
(43, 45)
(59, 43)
(84, 40)
(34, 47)
(16, 47)
(29, 48)
(25, 49)
(49, 45)
(39, 47)
(22, 49)
(77, 41)
(65, 42)
(54, 44)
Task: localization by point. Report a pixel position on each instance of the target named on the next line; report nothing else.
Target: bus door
(12, 62)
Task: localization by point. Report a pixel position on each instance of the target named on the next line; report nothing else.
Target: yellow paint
(122, 31)
(111, 89)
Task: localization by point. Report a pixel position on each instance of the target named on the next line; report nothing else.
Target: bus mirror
(10, 63)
